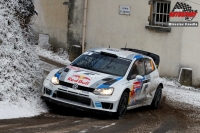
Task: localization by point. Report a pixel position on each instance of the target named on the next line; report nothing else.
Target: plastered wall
(106, 27)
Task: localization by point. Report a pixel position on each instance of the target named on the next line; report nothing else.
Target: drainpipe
(84, 26)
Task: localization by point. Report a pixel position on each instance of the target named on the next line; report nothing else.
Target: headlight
(55, 80)
(104, 91)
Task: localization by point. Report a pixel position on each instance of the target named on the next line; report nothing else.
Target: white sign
(125, 10)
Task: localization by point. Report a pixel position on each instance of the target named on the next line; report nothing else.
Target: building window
(160, 13)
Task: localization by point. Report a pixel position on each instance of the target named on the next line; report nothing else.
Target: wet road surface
(141, 120)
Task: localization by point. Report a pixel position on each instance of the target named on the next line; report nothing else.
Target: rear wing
(155, 57)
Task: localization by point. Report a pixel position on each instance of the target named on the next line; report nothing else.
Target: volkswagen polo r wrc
(108, 80)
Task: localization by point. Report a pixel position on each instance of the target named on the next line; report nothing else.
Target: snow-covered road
(182, 97)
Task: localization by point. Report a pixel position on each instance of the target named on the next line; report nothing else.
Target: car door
(149, 75)
(138, 85)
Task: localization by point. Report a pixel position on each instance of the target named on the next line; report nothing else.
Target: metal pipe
(84, 26)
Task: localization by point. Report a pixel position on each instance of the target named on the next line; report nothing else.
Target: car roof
(120, 53)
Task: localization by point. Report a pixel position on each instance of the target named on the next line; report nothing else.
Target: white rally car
(108, 80)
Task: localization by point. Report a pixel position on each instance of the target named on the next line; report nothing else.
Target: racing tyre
(157, 98)
(121, 110)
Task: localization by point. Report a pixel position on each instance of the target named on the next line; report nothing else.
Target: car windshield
(105, 63)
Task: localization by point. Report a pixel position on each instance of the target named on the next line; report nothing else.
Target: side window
(138, 68)
(149, 65)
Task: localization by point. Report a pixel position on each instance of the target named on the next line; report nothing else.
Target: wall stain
(75, 24)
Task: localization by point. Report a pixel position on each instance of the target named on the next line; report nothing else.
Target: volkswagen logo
(75, 86)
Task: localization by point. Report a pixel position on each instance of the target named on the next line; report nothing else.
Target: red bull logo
(74, 68)
(81, 79)
(137, 85)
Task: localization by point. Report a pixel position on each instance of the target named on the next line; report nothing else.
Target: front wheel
(122, 106)
(157, 98)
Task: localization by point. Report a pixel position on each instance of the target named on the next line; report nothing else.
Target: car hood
(87, 78)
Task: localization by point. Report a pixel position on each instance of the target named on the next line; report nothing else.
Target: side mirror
(139, 77)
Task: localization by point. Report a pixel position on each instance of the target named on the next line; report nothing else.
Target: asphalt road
(165, 119)
(141, 120)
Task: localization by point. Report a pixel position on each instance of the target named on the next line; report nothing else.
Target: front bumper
(78, 99)
(61, 103)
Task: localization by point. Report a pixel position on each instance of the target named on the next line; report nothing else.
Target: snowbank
(61, 57)
(20, 72)
(21, 108)
(181, 97)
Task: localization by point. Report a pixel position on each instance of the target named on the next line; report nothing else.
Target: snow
(60, 57)
(23, 109)
(78, 46)
(186, 68)
(181, 97)
(43, 49)
(20, 70)
(48, 67)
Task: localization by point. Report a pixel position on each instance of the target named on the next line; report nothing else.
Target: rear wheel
(157, 98)
(122, 106)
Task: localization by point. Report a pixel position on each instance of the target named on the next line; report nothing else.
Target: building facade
(61, 20)
(143, 25)
(177, 46)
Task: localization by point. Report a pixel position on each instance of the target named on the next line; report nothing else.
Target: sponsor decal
(80, 79)
(137, 57)
(137, 84)
(85, 92)
(109, 83)
(135, 92)
(64, 87)
(57, 75)
(73, 68)
(103, 97)
(182, 9)
(98, 104)
(88, 73)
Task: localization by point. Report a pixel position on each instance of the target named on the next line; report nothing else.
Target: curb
(53, 62)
